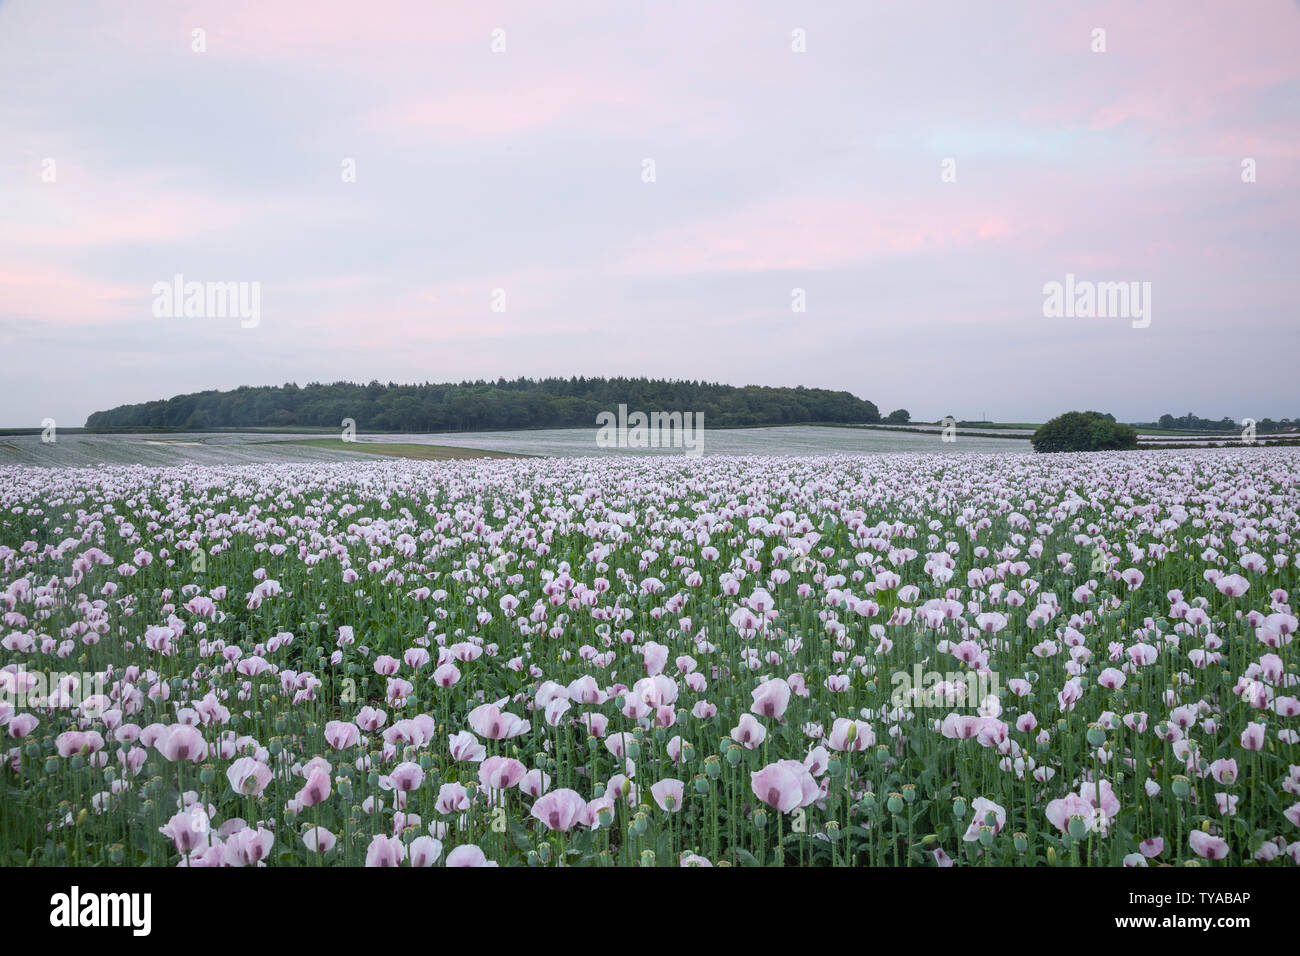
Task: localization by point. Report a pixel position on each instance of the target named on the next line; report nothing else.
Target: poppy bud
(959, 807)
(1078, 827)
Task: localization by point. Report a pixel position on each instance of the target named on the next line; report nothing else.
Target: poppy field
(889, 660)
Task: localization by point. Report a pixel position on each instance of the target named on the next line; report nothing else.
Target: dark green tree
(1083, 431)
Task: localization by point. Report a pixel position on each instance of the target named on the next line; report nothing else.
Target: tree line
(1191, 422)
(483, 405)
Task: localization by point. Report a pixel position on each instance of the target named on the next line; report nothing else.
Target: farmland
(912, 660)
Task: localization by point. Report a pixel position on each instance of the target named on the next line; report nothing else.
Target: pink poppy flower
(559, 809)
(668, 794)
(1206, 846)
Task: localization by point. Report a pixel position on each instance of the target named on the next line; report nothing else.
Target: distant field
(401, 450)
(80, 449)
(91, 450)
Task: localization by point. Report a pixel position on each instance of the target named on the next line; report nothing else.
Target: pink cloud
(65, 298)
(816, 233)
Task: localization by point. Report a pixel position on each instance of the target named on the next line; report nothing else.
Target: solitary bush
(899, 416)
(1083, 431)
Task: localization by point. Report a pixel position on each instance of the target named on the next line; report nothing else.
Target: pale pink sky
(776, 170)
